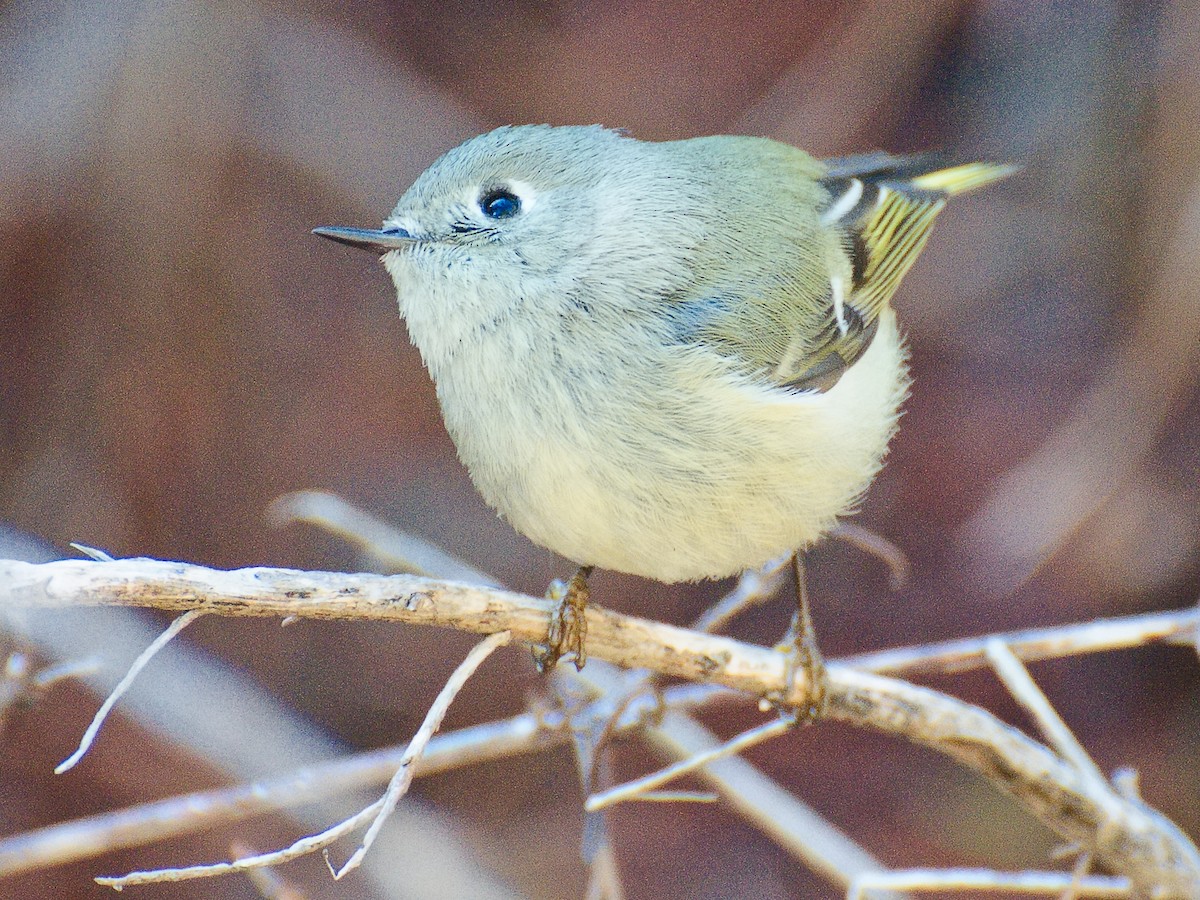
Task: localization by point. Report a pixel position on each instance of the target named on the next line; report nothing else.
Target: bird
(673, 359)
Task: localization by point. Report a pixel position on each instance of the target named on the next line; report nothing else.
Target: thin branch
(400, 782)
(1125, 835)
(302, 847)
(180, 623)
(266, 880)
(396, 550)
(876, 545)
(677, 797)
(634, 790)
(71, 668)
(1026, 692)
(756, 586)
(1035, 883)
(375, 814)
(1177, 626)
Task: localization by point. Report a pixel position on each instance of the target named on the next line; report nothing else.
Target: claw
(568, 623)
(805, 655)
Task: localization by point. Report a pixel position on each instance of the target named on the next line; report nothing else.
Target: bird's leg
(568, 622)
(803, 639)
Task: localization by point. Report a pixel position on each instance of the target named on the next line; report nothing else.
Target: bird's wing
(883, 207)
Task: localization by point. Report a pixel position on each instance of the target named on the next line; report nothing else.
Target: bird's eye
(499, 203)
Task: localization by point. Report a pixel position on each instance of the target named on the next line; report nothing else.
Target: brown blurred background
(177, 351)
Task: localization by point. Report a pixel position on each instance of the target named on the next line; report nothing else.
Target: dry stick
(180, 623)
(70, 668)
(1137, 841)
(876, 545)
(302, 847)
(749, 793)
(402, 780)
(1179, 626)
(189, 813)
(1040, 883)
(1025, 691)
(394, 549)
(678, 797)
(376, 813)
(266, 880)
(754, 587)
(636, 789)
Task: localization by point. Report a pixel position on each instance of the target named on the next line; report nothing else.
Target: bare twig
(754, 587)
(267, 881)
(1126, 836)
(123, 685)
(1036, 883)
(677, 797)
(635, 790)
(1177, 626)
(876, 545)
(375, 814)
(396, 550)
(1026, 692)
(71, 668)
(302, 847)
(400, 782)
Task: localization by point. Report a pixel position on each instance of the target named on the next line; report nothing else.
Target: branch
(1122, 833)
(623, 640)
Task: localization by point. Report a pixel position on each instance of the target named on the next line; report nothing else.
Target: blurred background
(177, 351)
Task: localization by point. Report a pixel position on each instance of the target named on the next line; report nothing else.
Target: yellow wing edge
(963, 178)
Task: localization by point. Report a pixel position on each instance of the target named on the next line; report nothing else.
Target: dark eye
(499, 203)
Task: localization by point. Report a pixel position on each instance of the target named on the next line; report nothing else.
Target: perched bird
(673, 359)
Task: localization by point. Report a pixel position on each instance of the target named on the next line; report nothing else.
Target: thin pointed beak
(366, 238)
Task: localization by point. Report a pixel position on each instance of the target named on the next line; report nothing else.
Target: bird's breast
(662, 460)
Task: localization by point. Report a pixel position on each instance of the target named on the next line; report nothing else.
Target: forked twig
(636, 789)
(375, 814)
(1026, 692)
(1136, 841)
(402, 780)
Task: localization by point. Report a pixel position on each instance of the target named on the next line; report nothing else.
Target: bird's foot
(803, 655)
(568, 623)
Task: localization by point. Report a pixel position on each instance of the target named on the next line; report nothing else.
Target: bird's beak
(366, 238)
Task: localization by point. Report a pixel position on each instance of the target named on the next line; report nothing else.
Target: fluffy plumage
(672, 359)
